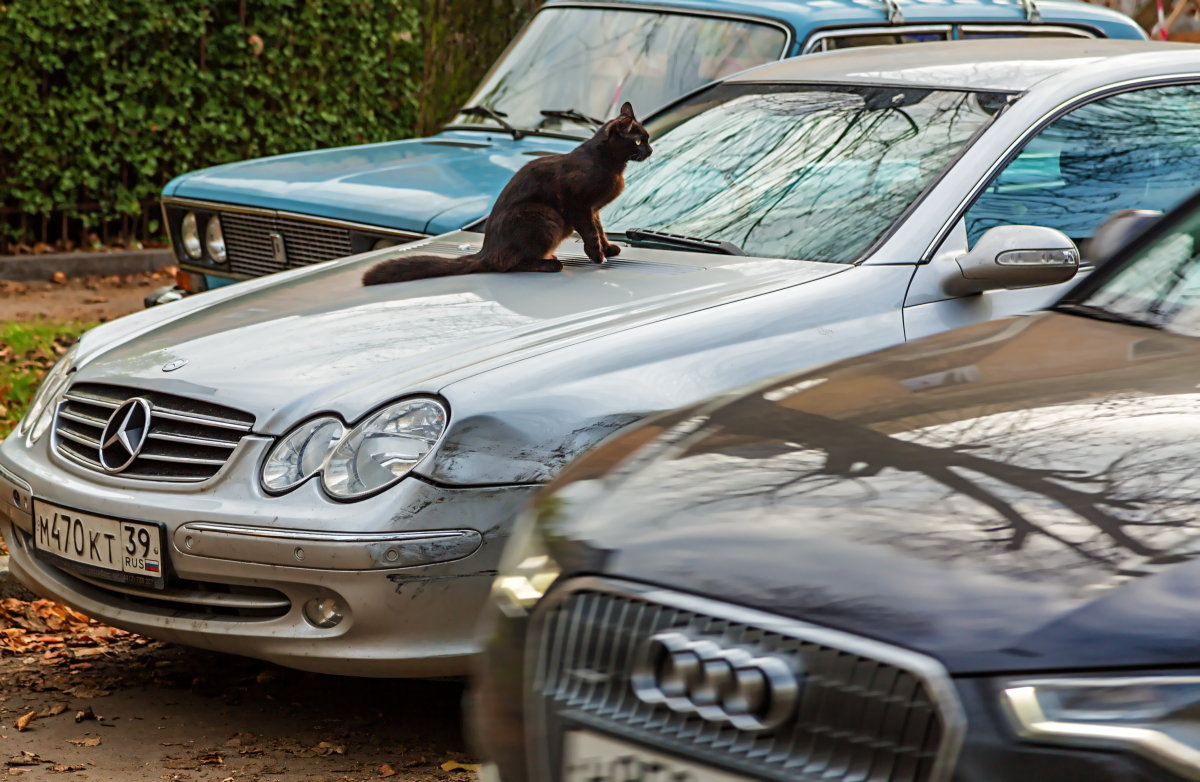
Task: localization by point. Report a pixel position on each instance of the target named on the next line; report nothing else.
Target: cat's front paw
(611, 250)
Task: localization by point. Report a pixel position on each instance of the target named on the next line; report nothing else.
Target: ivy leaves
(105, 100)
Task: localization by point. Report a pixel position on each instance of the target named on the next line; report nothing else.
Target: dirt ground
(85, 299)
(101, 705)
(144, 710)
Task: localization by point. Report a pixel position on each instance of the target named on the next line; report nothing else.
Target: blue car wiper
(495, 116)
(571, 114)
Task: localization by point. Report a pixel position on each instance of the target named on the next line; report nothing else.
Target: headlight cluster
(1154, 716)
(213, 242)
(38, 416)
(368, 458)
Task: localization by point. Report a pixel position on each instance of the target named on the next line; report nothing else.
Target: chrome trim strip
(1031, 130)
(220, 206)
(199, 418)
(80, 418)
(78, 438)
(193, 597)
(327, 537)
(927, 669)
(154, 457)
(75, 396)
(188, 439)
(1058, 29)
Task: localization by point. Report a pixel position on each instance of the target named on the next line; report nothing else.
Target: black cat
(543, 203)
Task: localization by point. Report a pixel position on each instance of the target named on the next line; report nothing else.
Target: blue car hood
(428, 185)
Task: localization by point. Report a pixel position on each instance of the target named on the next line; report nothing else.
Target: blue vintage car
(542, 97)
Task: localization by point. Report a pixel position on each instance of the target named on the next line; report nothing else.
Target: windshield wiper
(571, 114)
(1100, 313)
(495, 116)
(646, 236)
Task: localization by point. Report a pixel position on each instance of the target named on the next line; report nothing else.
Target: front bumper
(412, 566)
(519, 739)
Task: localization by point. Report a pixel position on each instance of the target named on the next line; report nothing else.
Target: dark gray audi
(970, 557)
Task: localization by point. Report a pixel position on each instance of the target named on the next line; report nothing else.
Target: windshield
(796, 171)
(1160, 286)
(593, 59)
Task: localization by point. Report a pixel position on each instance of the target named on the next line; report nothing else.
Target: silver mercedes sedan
(312, 472)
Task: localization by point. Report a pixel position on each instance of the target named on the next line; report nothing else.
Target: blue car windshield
(811, 172)
(590, 60)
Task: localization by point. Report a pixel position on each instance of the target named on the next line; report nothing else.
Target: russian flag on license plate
(151, 567)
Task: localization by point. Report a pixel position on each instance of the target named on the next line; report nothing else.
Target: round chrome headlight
(384, 448)
(189, 234)
(301, 452)
(214, 240)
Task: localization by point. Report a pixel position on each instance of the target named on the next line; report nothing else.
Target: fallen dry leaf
(53, 710)
(25, 759)
(326, 748)
(386, 771)
(23, 721)
(85, 714)
(454, 765)
(94, 741)
(66, 769)
(59, 277)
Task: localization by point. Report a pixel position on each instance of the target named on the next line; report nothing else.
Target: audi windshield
(590, 60)
(810, 172)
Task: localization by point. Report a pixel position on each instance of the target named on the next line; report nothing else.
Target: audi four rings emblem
(719, 683)
(124, 434)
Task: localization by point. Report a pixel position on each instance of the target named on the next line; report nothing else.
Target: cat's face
(627, 136)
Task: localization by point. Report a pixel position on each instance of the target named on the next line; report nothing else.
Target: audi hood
(315, 339)
(1015, 495)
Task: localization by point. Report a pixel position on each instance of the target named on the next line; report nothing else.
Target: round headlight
(189, 234)
(299, 455)
(37, 418)
(214, 240)
(384, 448)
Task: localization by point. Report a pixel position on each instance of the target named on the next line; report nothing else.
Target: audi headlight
(384, 448)
(527, 570)
(189, 234)
(300, 454)
(1155, 716)
(37, 417)
(214, 240)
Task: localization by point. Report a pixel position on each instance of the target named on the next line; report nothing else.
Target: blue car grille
(252, 251)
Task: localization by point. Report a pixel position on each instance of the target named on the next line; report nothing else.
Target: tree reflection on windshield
(796, 171)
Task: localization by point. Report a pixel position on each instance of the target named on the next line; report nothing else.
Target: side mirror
(1117, 230)
(1013, 256)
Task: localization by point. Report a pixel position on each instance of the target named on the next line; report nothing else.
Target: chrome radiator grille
(860, 710)
(186, 440)
(254, 252)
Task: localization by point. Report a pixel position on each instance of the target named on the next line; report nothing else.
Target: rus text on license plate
(592, 757)
(128, 551)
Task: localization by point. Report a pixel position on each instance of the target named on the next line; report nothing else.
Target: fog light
(324, 611)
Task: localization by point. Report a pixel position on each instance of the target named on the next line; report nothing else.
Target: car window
(1134, 150)
(812, 172)
(1160, 286)
(851, 39)
(593, 59)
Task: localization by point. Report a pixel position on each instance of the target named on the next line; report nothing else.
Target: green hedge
(103, 101)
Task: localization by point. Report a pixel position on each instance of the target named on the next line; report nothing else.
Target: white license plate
(128, 551)
(591, 757)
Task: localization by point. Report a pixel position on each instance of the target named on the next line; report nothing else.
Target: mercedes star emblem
(171, 366)
(125, 434)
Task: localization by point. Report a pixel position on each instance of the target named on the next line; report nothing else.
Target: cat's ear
(627, 110)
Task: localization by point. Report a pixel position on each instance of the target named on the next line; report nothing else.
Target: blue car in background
(567, 70)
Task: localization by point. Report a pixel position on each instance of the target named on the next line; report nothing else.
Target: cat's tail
(418, 267)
